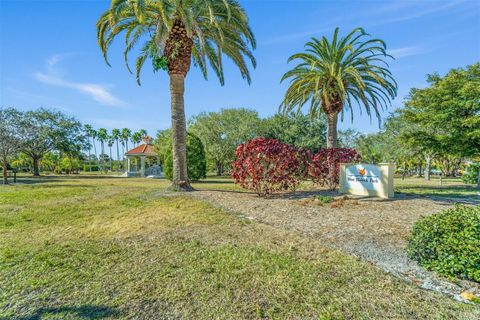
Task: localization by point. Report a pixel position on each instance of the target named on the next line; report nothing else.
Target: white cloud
(406, 52)
(294, 36)
(97, 92)
(412, 11)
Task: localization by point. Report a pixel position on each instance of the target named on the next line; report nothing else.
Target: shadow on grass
(446, 198)
(82, 312)
(56, 178)
(447, 189)
(216, 181)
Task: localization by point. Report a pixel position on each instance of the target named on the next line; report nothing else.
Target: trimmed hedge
(448, 242)
(196, 160)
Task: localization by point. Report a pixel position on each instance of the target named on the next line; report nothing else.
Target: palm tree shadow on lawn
(57, 178)
(83, 312)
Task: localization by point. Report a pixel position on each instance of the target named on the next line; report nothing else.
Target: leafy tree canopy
(296, 129)
(444, 118)
(221, 132)
(45, 130)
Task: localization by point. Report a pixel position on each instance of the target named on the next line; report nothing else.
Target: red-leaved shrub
(266, 166)
(324, 166)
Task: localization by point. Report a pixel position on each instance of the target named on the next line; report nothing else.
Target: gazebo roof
(143, 149)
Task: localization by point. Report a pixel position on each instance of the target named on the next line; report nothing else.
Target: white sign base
(367, 179)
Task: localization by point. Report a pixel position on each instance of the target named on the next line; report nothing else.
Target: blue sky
(50, 58)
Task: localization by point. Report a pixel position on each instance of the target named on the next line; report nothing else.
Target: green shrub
(324, 199)
(471, 174)
(196, 162)
(448, 242)
(88, 168)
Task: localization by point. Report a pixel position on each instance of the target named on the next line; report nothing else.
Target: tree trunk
(110, 158)
(180, 181)
(36, 170)
(419, 170)
(332, 119)
(102, 158)
(95, 150)
(428, 160)
(478, 179)
(89, 159)
(219, 168)
(5, 177)
(118, 159)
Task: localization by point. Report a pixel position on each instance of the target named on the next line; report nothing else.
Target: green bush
(471, 174)
(324, 199)
(88, 168)
(448, 242)
(196, 161)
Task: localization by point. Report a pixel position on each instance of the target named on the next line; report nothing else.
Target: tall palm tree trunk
(180, 180)
(95, 150)
(332, 119)
(89, 159)
(110, 157)
(118, 157)
(102, 152)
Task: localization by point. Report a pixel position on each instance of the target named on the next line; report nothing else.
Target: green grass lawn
(109, 248)
(450, 187)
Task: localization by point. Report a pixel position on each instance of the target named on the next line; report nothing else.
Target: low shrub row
(266, 166)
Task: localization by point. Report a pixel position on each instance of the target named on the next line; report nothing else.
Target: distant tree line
(52, 141)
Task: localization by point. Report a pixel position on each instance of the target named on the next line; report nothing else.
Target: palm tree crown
(334, 75)
(178, 30)
(126, 134)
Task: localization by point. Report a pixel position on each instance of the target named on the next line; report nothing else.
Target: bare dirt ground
(373, 230)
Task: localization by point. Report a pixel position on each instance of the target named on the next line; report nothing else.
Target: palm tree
(102, 137)
(177, 32)
(137, 137)
(143, 133)
(126, 134)
(91, 133)
(87, 130)
(334, 75)
(116, 134)
(110, 143)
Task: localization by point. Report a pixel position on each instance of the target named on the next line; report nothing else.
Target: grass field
(450, 187)
(109, 248)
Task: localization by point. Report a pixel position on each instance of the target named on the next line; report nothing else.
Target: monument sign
(367, 179)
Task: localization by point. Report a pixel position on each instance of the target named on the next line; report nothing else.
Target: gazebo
(137, 160)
